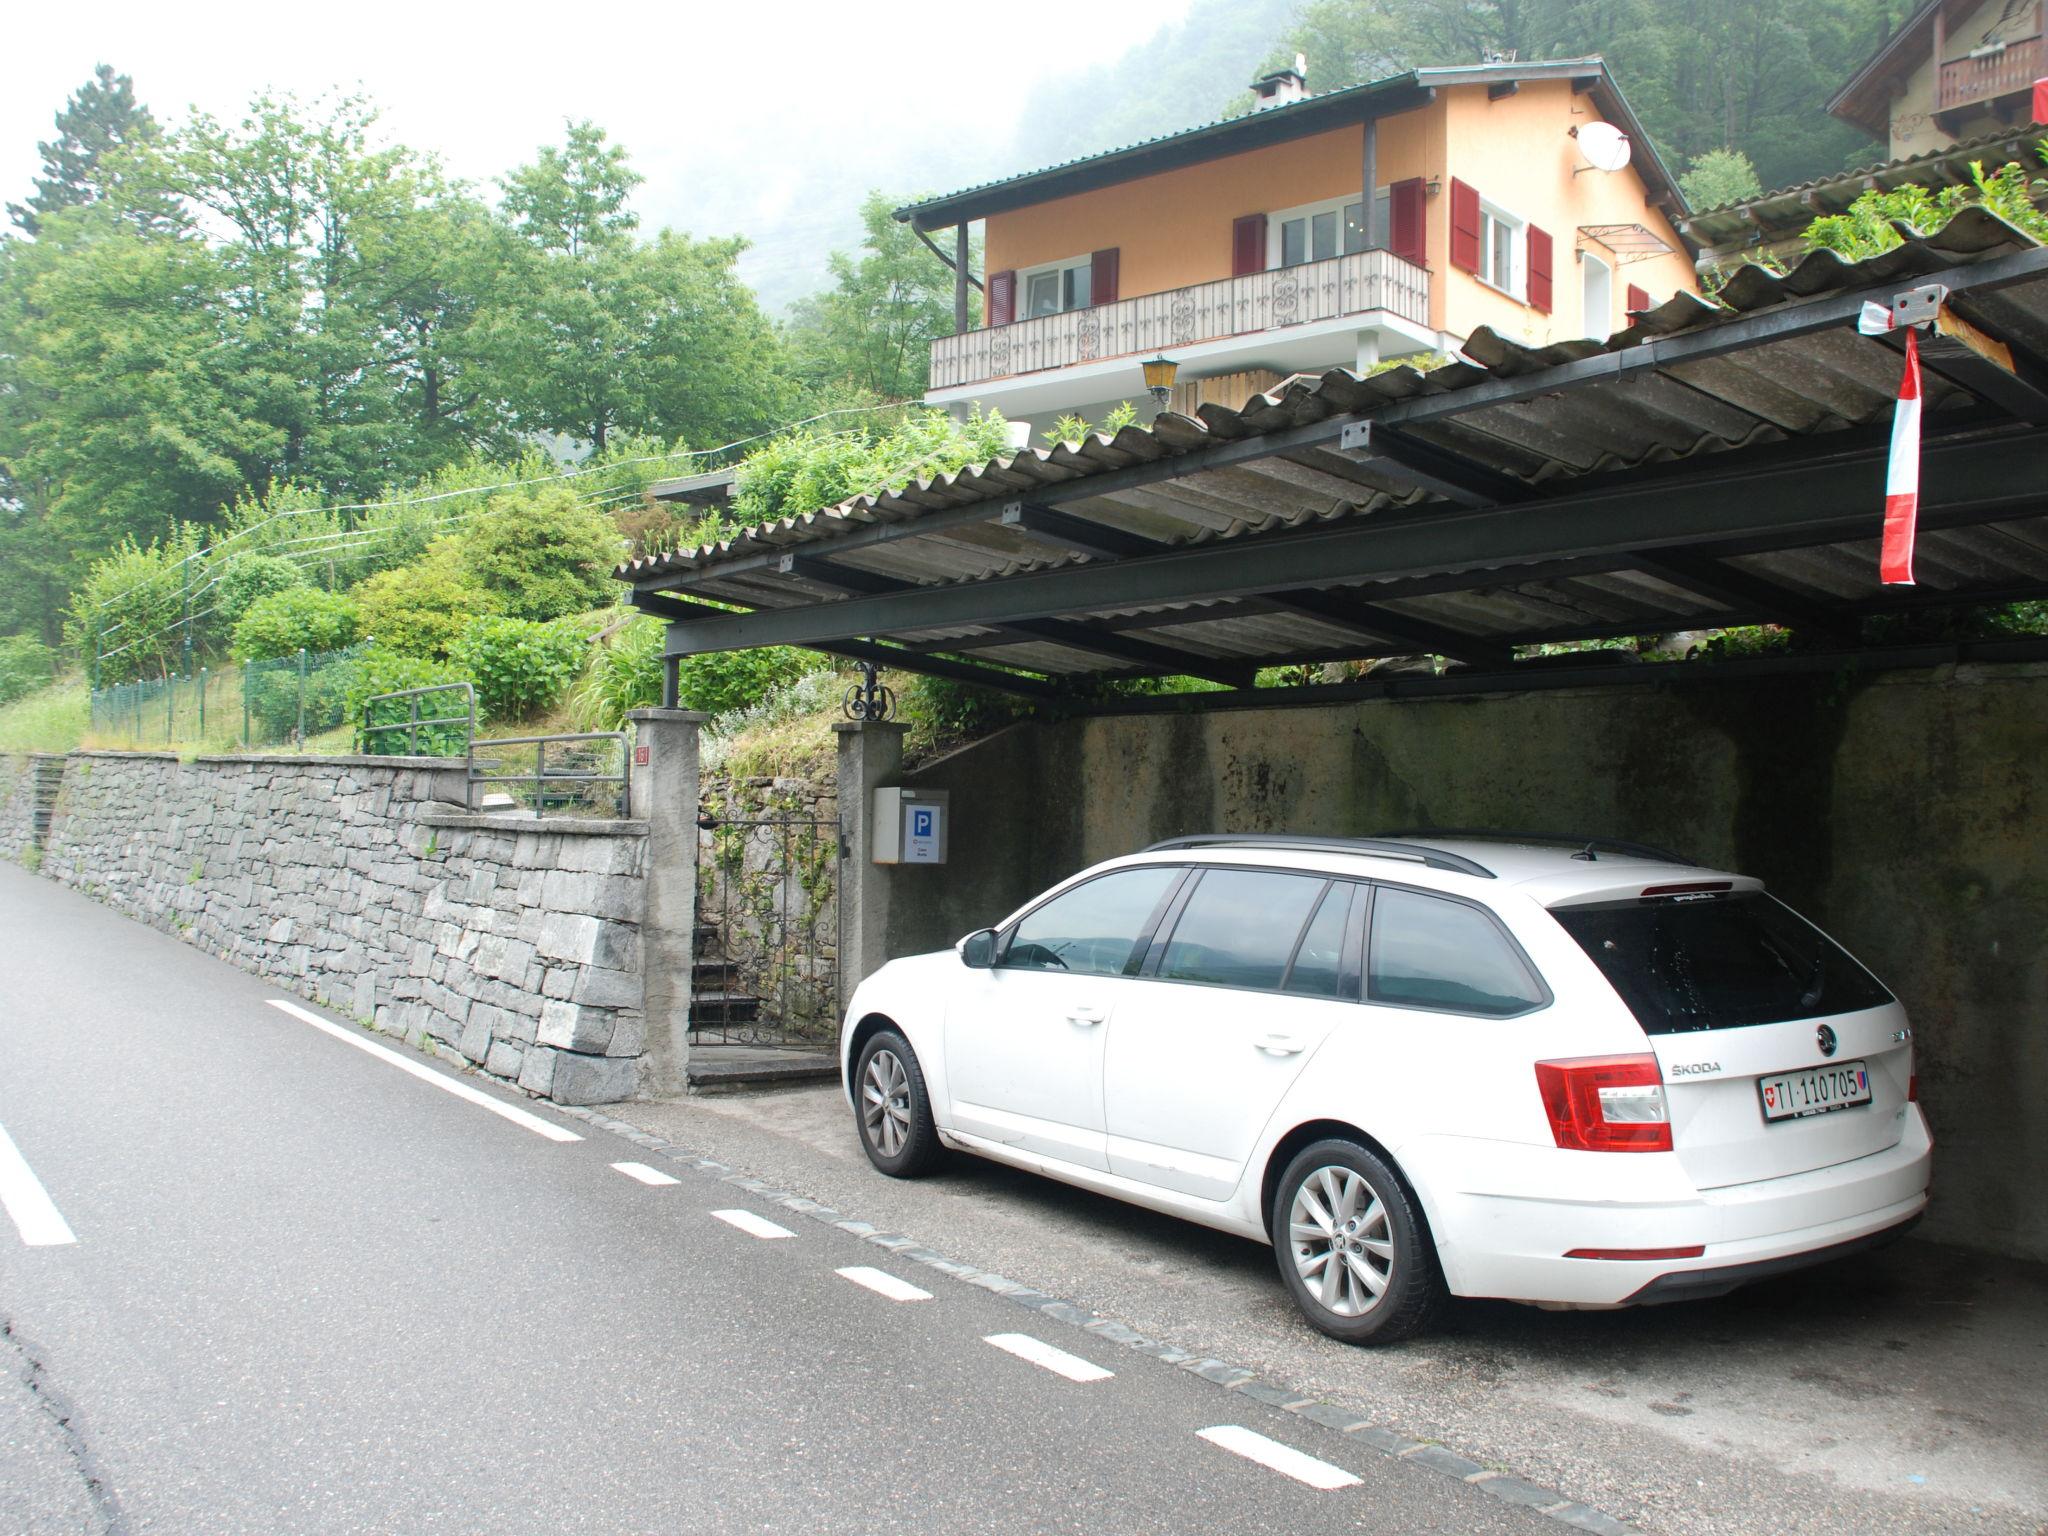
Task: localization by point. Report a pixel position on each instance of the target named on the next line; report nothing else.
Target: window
(1718, 962)
(1092, 928)
(1501, 258)
(1318, 969)
(1312, 232)
(1596, 283)
(1058, 288)
(1240, 927)
(1430, 952)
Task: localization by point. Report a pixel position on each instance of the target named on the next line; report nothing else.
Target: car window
(1718, 962)
(1092, 928)
(1427, 952)
(1240, 927)
(1318, 969)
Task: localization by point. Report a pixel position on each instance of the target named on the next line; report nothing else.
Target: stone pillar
(870, 756)
(665, 797)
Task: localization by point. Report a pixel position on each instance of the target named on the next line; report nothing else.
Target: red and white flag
(1902, 477)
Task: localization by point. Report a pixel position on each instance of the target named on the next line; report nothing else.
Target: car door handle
(1080, 1013)
(1277, 1044)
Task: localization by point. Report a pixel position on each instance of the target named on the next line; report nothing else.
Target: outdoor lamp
(1159, 372)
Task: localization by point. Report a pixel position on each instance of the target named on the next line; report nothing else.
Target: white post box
(911, 826)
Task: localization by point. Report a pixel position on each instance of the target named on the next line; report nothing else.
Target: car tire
(893, 1109)
(1339, 1204)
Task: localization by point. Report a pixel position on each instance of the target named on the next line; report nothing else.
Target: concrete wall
(350, 880)
(1904, 812)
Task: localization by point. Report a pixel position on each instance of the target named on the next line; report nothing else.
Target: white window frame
(1026, 274)
(1516, 229)
(1335, 205)
(1597, 327)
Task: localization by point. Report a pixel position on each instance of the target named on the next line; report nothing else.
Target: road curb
(1238, 1379)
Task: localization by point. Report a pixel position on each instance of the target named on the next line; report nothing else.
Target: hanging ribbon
(1902, 477)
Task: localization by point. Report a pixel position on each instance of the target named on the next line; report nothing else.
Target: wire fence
(255, 704)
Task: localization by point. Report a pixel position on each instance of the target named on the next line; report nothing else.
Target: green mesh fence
(255, 704)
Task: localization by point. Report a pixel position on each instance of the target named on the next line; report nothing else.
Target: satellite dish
(1605, 146)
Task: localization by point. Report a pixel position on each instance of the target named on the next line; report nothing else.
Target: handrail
(414, 720)
(542, 776)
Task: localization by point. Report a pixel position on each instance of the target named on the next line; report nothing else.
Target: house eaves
(1853, 103)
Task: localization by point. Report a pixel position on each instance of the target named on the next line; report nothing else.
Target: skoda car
(1575, 1073)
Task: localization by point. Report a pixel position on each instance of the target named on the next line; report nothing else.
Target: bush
(948, 709)
(26, 664)
(420, 609)
(542, 553)
(382, 670)
(241, 580)
(729, 680)
(297, 619)
(518, 666)
(625, 674)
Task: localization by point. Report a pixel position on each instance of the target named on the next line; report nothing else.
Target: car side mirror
(978, 950)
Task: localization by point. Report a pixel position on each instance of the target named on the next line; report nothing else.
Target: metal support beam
(1440, 473)
(1079, 534)
(1742, 590)
(1970, 479)
(1372, 620)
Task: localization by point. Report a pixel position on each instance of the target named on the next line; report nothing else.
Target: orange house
(1525, 197)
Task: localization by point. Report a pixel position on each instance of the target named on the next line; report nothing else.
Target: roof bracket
(1440, 473)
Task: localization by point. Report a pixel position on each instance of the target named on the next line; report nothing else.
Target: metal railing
(414, 722)
(251, 704)
(574, 778)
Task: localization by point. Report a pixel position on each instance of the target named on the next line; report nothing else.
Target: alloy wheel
(1342, 1244)
(885, 1103)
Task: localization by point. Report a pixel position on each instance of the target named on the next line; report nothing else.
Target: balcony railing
(2015, 67)
(1180, 317)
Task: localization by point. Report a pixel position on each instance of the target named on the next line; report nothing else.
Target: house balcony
(1290, 319)
(1985, 76)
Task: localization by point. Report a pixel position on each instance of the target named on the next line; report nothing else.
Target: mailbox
(911, 826)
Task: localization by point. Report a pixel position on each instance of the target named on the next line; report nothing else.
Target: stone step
(713, 976)
(738, 1068)
(715, 1008)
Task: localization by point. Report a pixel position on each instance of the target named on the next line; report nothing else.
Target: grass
(52, 719)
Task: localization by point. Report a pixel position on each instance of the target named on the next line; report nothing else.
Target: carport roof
(1711, 465)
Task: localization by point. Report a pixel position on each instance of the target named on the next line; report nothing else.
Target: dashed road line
(752, 1225)
(882, 1283)
(1040, 1353)
(1284, 1459)
(42, 1225)
(446, 1084)
(645, 1174)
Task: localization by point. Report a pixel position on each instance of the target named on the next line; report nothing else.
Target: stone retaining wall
(357, 883)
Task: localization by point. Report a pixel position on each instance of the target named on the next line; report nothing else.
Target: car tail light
(1694, 1251)
(1605, 1103)
(1697, 887)
(1913, 1089)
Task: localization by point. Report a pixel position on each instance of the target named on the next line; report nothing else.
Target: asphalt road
(311, 1292)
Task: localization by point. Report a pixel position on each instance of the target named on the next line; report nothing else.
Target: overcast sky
(765, 117)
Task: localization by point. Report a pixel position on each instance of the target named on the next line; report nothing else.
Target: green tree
(872, 331)
(126, 617)
(542, 553)
(573, 199)
(81, 163)
(297, 619)
(1720, 177)
(419, 609)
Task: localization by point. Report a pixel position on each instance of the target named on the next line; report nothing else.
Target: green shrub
(419, 609)
(297, 619)
(381, 670)
(947, 709)
(542, 553)
(728, 680)
(624, 674)
(241, 580)
(518, 666)
(26, 664)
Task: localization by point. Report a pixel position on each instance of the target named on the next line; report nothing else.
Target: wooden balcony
(1181, 317)
(2015, 67)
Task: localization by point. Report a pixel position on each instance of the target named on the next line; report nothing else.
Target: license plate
(1821, 1091)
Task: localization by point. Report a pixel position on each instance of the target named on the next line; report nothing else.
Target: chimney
(1282, 86)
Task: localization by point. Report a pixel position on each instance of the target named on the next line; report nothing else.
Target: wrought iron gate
(767, 955)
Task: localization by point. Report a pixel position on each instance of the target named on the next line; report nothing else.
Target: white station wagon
(1569, 1072)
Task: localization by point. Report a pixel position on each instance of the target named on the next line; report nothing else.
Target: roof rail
(1589, 847)
(1433, 858)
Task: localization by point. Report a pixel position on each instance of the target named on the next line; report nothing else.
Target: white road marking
(752, 1225)
(21, 1192)
(882, 1283)
(1284, 1459)
(447, 1084)
(645, 1174)
(1040, 1353)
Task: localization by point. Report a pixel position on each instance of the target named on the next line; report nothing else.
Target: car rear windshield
(1718, 962)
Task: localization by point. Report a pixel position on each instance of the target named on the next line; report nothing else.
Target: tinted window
(1431, 953)
(1240, 927)
(1319, 962)
(1719, 962)
(1092, 928)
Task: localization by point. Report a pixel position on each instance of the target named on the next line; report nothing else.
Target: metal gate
(767, 953)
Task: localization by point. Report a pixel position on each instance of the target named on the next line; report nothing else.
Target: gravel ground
(1899, 1392)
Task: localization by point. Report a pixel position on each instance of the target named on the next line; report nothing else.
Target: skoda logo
(1826, 1037)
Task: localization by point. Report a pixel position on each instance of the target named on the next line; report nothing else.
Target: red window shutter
(1539, 269)
(1464, 226)
(1102, 273)
(1002, 297)
(1407, 234)
(1248, 245)
(1638, 299)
